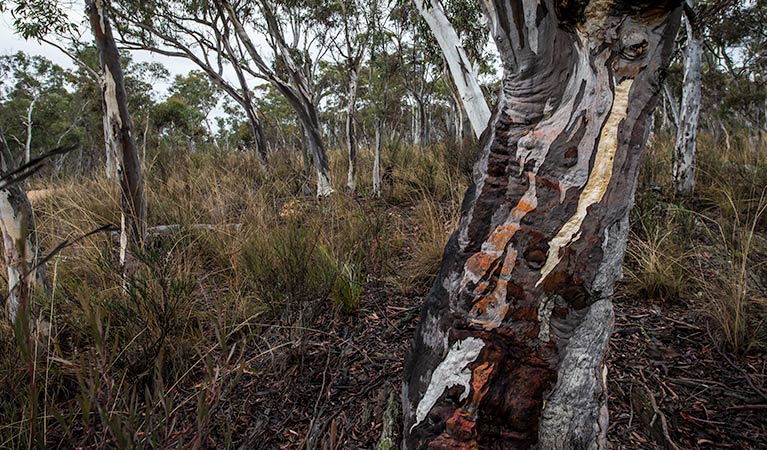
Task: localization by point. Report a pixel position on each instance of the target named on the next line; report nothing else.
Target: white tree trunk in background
(28, 144)
(351, 138)
(19, 242)
(377, 162)
(687, 125)
(463, 72)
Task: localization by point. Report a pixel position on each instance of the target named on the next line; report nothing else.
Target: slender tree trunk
(414, 123)
(421, 122)
(687, 130)
(28, 143)
(672, 105)
(377, 161)
(351, 139)
(462, 70)
(509, 352)
(119, 131)
(21, 252)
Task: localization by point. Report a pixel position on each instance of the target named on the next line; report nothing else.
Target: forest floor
(708, 398)
(338, 395)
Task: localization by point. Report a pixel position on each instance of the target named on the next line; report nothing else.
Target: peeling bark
(463, 72)
(21, 252)
(530, 271)
(689, 112)
(118, 131)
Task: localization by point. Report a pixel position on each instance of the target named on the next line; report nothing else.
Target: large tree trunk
(351, 139)
(687, 130)
(119, 130)
(509, 353)
(21, 252)
(462, 70)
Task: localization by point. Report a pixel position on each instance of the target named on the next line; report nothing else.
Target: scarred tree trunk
(351, 139)
(509, 353)
(21, 254)
(462, 71)
(119, 131)
(687, 125)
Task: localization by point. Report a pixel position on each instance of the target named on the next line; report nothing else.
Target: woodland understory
(284, 322)
(410, 224)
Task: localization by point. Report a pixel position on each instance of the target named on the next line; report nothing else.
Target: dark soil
(709, 398)
(327, 385)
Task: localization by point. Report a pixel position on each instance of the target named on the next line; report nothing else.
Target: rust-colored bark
(509, 351)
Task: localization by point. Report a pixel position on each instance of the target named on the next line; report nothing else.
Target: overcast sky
(11, 43)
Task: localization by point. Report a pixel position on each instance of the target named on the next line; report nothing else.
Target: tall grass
(710, 250)
(149, 361)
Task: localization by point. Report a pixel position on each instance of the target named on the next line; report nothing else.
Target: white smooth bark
(684, 152)
(351, 139)
(28, 144)
(19, 242)
(463, 73)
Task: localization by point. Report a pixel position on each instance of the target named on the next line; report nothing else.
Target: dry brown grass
(129, 363)
(709, 250)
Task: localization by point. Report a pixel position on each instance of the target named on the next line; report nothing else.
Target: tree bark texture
(689, 111)
(509, 352)
(461, 69)
(21, 252)
(119, 130)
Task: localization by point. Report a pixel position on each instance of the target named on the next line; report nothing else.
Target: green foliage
(287, 268)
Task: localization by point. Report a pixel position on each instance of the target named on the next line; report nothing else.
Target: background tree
(118, 130)
(463, 72)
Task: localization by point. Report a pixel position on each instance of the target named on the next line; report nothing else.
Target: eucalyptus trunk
(377, 161)
(21, 252)
(510, 349)
(118, 131)
(689, 112)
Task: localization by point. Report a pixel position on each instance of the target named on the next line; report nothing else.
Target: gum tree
(510, 349)
(463, 72)
(118, 130)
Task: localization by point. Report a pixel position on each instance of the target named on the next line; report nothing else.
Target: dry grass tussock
(709, 251)
(148, 361)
